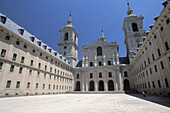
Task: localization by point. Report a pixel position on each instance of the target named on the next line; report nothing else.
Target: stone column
(106, 81)
(96, 80)
(120, 81)
(82, 79)
(115, 81)
(87, 81)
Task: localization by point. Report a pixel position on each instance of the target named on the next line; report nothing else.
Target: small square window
(33, 51)
(25, 46)
(7, 37)
(17, 42)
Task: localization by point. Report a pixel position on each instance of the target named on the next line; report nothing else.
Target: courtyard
(85, 103)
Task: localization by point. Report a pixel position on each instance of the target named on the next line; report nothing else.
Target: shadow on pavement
(165, 101)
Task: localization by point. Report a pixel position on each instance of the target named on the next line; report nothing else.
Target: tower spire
(130, 11)
(103, 38)
(70, 21)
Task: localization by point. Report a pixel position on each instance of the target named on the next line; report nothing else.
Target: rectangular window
(150, 70)
(125, 74)
(159, 84)
(91, 64)
(153, 84)
(50, 77)
(100, 63)
(77, 76)
(12, 68)
(110, 74)
(145, 63)
(166, 82)
(7, 37)
(39, 65)
(50, 69)
(167, 21)
(31, 64)
(44, 75)
(49, 86)
(33, 50)
(159, 53)
(36, 85)
(161, 28)
(53, 86)
(147, 72)
(162, 65)
(153, 57)
(91, 75)
(17, 42)
(38, 74)
(17, 84)
(155, 68)
(55, 71)
(166, 46)
(1, 64)
(8, 84)
(30, 72)
(14, 57)
(43, 86)
(25, 46)
(109, 62)
(20, 70)
(45, 67)
(3, 52)
(22, 59)
(28, 84)
(148, 61)
(149, 84)
(100, 75)
(57, 87)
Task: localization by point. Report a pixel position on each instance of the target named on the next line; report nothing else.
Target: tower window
(75, 38)
(91, 64)
(91, 75)
(134, 27)
(99, 51)
(100, 75)
(100, 63)
(66, 36)
(3, 19)
(65, 47)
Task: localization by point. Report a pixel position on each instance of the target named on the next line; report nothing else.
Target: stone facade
(28, 66)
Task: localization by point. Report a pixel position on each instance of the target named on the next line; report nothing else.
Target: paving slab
(82, 103)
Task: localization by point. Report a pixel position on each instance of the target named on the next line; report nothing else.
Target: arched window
(134, 27)
(75, 38)
(66, 36)
(99, 51)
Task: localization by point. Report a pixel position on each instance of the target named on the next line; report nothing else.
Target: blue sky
(44, 18)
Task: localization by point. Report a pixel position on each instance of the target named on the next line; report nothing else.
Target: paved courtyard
(84, 103)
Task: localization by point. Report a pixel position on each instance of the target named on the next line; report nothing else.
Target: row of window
(144, 85)
(100, 75)
(3, 52)
(100, 63)
(8, 85)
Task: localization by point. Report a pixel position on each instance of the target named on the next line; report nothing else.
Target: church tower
(68, 44)
(134, 32)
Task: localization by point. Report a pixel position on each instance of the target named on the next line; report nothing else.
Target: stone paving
(84, 103)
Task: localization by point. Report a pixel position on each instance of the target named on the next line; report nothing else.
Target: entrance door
(91, 84)
(101, 85)
(78, 86)
(126, 85)
(110, 85)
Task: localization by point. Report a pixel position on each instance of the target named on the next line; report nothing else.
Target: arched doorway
(78, 86)
(126, 85)
(101, 85)
(110, 85)
(91, 84)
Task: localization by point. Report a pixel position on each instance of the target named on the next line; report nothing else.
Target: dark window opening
(77, 76)
(109, 62)
(17, 42)
(32, 39)
(134, 27)
(167, 46)
(3, 19)
(8, 84)
(159, 84)
(99, 51)
(125, 74)
(166, 82)
(25, 46)
(159, 53)
(153, 57)
(110, 74)
(100, 75)
(167, 21)
(100, 63)
(161, 28)
(162, 65)
(91, 64)
(21, 31)
(91, 75)
(66, 36)
(7, 37)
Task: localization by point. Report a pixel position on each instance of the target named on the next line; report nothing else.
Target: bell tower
(68, 44)
(134, 32)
